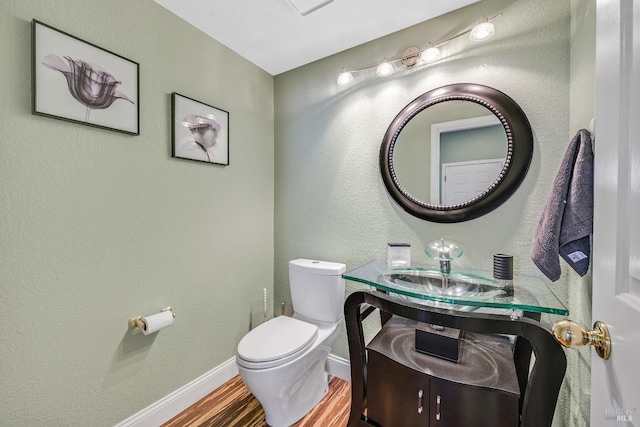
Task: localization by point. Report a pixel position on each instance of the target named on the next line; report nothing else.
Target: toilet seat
(275, 342)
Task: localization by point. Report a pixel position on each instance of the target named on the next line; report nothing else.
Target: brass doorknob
(572, 335)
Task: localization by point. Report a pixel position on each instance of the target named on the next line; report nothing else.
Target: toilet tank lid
(323, 268)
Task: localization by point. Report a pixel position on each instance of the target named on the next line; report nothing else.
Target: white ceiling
(276, 37)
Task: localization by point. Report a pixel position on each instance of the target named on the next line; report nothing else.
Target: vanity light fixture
(482, 31)
(430, 54)
(344, 78)
(413, 55)
(384, 69)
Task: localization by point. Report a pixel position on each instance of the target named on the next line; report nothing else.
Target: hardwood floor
(233, 405)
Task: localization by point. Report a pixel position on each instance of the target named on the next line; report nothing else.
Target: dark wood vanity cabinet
(495, 382)
(401, 396)
(406, 388)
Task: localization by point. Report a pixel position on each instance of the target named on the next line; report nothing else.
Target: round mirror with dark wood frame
(510, 171)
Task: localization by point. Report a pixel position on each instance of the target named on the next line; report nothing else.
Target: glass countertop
(459, 290)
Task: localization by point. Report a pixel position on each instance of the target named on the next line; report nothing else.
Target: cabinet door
(456, 405)
(396, 395)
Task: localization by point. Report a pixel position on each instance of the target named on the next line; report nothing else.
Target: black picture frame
(200, 132)
(79, 82)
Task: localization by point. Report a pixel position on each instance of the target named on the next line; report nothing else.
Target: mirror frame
(518, 159)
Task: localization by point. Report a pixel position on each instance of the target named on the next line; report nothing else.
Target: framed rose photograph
(77, 81)
(200, 131)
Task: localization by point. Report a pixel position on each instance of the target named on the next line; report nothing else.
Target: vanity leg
(384, 315)
(355, 310)
(522, 358)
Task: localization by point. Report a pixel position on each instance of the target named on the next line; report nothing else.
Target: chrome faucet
(444, 251)
(445, 266)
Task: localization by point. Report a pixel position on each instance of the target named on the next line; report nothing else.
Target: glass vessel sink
(459, 290)
(435, 283)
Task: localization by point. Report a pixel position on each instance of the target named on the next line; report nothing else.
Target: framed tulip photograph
(200, 131)
(77, 81)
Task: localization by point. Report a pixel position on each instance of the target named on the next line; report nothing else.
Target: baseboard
(171, 405)
(339, 367)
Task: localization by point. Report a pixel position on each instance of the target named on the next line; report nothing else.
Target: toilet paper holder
(137, 322)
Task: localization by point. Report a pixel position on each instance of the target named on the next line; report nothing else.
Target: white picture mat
(183, 107)
(52, 96)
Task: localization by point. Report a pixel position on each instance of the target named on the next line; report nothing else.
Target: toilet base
(288, 392)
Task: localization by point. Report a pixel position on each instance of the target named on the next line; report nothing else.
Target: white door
(462, 181)
(615, 383)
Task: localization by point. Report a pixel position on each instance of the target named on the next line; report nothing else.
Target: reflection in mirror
(446, 135)
(449, 153)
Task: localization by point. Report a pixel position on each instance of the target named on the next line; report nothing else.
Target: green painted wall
(97, 227)
(330, 201)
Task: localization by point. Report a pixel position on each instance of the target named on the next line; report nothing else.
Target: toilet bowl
(283, 361)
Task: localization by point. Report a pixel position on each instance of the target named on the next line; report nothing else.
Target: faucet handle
(443, 250)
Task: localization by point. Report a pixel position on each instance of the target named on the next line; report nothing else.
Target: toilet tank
(317, 289)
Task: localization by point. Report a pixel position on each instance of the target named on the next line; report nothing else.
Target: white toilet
(283, 360)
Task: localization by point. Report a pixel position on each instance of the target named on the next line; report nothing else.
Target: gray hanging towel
(567, 220)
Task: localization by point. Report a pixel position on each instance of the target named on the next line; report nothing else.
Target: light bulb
(430, 54)
(384, 69)
(482, 31)
(344, 78)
